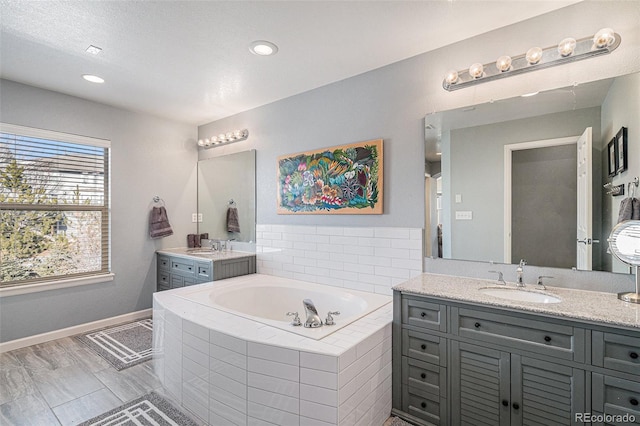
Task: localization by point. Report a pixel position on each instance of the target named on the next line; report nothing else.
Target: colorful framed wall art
(344, 179)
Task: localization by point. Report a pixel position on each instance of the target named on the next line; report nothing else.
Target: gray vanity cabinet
(494, 387)
(181, 271)
(457, 363)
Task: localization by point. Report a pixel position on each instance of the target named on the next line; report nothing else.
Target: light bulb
(230, 136)
(604, 38)
(214, 139)
(451, 77)
(534, 55)
(200, 142)
(237, 134)
(566, 46)
(221, 137)
(503, 63)
(207, 142)
(476, 70)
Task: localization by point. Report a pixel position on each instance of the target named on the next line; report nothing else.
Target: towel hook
(231, 202)
(158, 200)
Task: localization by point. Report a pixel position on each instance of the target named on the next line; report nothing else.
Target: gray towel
(629, 209)
(159, 223)
(232, 220)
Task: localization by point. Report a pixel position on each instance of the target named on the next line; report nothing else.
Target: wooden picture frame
(612, 156)
(621, 150)
(343, 179)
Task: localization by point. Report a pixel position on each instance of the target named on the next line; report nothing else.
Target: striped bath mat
(124, 345)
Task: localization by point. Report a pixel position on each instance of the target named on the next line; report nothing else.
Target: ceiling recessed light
(94, 50)
(93, 78)
(263, 48)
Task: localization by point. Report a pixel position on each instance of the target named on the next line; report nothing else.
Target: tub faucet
(313, 319)
(520, 273)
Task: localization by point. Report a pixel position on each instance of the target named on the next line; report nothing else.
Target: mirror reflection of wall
(220, 180)
(471, 144)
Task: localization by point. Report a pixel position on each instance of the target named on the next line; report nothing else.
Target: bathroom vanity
(182, 267)
(462, 356)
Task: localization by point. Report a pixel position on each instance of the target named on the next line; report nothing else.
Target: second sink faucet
(520, 273)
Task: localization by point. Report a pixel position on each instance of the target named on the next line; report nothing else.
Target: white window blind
(54, 206)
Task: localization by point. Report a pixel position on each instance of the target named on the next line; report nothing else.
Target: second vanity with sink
(180, 267)
(469, 351)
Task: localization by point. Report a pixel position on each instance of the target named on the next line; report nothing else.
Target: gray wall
(620, 108)
(477, 173)
(149, 156)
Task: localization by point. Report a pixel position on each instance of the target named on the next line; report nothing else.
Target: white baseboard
(71, 331)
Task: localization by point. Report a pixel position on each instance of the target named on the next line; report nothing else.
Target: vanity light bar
(224, 139)
(568, 50)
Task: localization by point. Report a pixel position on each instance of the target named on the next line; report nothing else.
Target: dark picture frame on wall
(621, 150)
(612, 157)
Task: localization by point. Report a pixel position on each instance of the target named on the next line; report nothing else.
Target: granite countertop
(584, 305)
(199, 253)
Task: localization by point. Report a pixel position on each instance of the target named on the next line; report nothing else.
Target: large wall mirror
(523, 178)
(225, 182)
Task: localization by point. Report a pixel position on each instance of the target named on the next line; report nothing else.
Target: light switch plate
(464, 215)
(194, 217)
(199, 217)
(458, 198)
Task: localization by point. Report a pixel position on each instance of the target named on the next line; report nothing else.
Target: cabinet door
(544, 393)
(480, 392)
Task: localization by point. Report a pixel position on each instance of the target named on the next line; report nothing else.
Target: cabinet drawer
(561, 341)
(616, 351)
(424, 314)
(616, 396)
(163, 279)
(183, 266)
(425, 406)
(424, 347)
(164, 263)
(204, 271)
(424, 376)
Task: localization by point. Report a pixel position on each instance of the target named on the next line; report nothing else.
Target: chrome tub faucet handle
(329, 320)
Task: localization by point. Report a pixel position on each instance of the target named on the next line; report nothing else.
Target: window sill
(54, 285)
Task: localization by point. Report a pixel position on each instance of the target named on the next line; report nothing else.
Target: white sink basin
(518, 295)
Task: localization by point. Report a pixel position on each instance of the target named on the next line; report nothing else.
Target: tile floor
(62, 382)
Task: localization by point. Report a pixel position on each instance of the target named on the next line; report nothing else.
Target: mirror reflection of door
(548, 202)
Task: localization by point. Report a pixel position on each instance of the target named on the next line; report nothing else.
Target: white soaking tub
(267, 299)
(226, 352)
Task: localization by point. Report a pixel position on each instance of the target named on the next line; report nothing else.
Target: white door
(584, 223)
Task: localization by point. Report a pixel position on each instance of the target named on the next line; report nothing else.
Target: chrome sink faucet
(313, 319)
(520, 273)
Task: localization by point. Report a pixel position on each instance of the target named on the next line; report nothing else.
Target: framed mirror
(517, 179)
(228, 182)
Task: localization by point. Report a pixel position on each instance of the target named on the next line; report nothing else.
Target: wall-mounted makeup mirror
(503, 180)
(224, 182)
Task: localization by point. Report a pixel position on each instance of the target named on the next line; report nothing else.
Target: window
(54, 206)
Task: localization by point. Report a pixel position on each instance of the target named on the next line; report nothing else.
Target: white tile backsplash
(377, 257)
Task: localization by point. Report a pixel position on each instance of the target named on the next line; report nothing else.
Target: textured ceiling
(189, 60)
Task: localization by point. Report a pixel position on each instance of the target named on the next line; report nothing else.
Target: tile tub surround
(583, 305)
(368, 259)
(231, 370)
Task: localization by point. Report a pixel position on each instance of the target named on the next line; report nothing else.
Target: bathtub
(226, 353)
(267, 299)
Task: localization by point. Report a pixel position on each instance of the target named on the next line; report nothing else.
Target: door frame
(508, 156)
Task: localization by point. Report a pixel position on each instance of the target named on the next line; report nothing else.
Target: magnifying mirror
(624, 242)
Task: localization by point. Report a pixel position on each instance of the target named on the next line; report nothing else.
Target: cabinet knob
(423, 346)
(505, 402)
(633, 355)
(633, 401)
(547, 338)
(423, 314)
(516, 406)
(423, 376)
(476, 325)
(423, 404)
